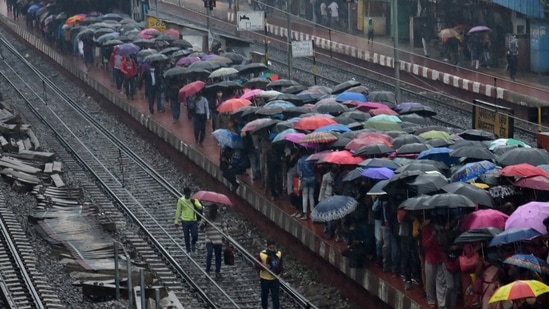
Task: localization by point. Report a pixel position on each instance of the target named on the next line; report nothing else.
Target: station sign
(493, 118)
(302, 49)
(250, 21)
(156, 23)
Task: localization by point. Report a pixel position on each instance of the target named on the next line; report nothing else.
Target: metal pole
(314, 62)
(289, 34)
(236, 7)
(208, 18)
(142, 287)
(156, 7)
(130, 287)
(330, 41)
(266, 40)
(348, 16)
(116, 271)
(157, 297)
(539, 119)
(395, 50)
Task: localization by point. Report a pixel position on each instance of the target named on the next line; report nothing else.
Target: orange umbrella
(233, 104)
(313, 123)
(190, 89)
(71, 21)
(343, 157)
(523, 170)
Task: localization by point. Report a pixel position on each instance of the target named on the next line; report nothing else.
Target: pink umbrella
(187, 60)
(484, 218)
(149, 33)
(319, 155)
(293, 137)
(366, 107)
(173, 33)
(529, 215)
(250, 94)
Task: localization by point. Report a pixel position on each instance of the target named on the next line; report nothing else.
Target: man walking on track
(270, 259)
(186, 213)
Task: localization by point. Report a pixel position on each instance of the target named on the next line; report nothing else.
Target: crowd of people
(307, 144)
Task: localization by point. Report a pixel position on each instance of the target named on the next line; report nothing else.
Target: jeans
(190, 229)
(435, 284)
(130, 87)
(273, 286)
(255, 163)
(409, 258)
(453, 287)
(199, 128)
(379, 239)
(210, 249)
(153, 95)
(176, 108)
(118, 78)
(215, 121)
(307, 193)
(391, 250)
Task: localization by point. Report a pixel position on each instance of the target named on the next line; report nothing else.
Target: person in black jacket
(153, 87)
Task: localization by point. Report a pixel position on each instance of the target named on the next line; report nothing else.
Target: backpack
(274, 261)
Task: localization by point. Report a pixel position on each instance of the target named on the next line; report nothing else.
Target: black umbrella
(477, 135)
(440, 142)
(127, 28)
(112, 43)
(90, 20)
(331, 108)
(61, 16)
(420, 166)
(355, 126)
(415, 118)
(448, 200)
(253, 68)
(169, 50)
(499, 150)
(287, 97)
(422, 110)
(176, 71)
(146, 52)
(412, 148)
(533, 156)
(395, 133)
(474, 193)
(428, 183)
(155, 58)
(283, 125)
(340, 143)
(164, 37)
(466, 143)
(385, 97)
(472, 152)
(294, 89)
(339, 88)
(480, 234)
(407, 139)
(353, 174)
(236, 58)
(181, 43)
(86, 32)
(99, 32)
(360, 89)
(357, 115)
(180, 53)
(265, 125)
(257, 83)
(413, 202)
(310, 97)
(282, 83)
(346, 121)
(225, 85)
(296, 111)
(206, 65)
(373, 149)
(141, 42)
(269, 110)
(244, 111)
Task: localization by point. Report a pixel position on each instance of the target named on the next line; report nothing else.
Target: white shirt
(323, 11)
(334, 9)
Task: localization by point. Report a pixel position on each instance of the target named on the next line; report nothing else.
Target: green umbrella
(436, 134)
(384, 117)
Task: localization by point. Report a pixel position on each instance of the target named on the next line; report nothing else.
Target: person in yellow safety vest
(187, 209)
(270, 259)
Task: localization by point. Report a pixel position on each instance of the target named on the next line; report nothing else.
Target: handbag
(228, 255)
(468, 263)
(296, 185)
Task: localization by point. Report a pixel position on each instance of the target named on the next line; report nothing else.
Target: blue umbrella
(278, 137)
(127, 49)
(351, 96)
(354, 174)
(333, 127)
(107, 37)
(369, 163)
(441, 154)
(226, 138)
(528, 261)
(33, 8)
(333, 208)
(280, 103)
(513, 235)
(406, 105)
(377, 189)
(378, 173)
(472, 170)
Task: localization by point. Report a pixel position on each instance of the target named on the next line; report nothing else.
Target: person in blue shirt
(308, 182)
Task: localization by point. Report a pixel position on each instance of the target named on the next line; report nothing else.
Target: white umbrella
(223, 72)
(269, 94)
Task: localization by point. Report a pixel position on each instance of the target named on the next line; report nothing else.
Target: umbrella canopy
(223, 86)
(294, 89)
(333, 128)
(175, 71)
(422, 166)
(223, 72)
(447, 33)
(146, 52)
(360, 142)
(292, 98)
(190, 89)
(353, 174)
(472, 152)
(413, 148)
(480, 234)
(226, 138)
(128, 49)
(181, 43)
(474, 193)
(386, 97)
(378, 173)
(252, 125)
(111, 43)
(333, 208)
(472, 170)
(507, 142)
(407, 139)
(440, 142)
(478, 29)
(435, 134)
(149, 33)
(370, 163)
(187, 60)
(530, 215)
(512, 235)
(449, 200)
(344, 86)
(351, 96)
(385, 117)
(155, 58)
(232, 104)
(374, 150)
(523, 170)
(356, 115)
(313, 123)
(423, 111)
(282, 83)
(519, 289)
(528, 261)
(360, 89)
(319, 138)
(366, 107)
(377, 189)
(483, 218)
(441, 154)
(253, 68)
(206, 65)
(534, 182)
(250, 94)
(533, 156)
(213, 197)
(343, 157)
(415, 119)
(428, 183)
(382, 125)
(331, 108)
(477, 135)
(383, 111)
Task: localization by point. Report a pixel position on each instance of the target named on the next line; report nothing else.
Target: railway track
(131, 193)
(21, 284)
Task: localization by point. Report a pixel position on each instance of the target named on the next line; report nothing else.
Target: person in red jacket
(435, 282)
(128, 68)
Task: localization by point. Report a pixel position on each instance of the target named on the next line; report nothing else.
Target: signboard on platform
(250, 21)
(493, 118)
(302, 49)
(156, 23)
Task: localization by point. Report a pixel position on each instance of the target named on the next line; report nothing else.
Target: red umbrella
(190, 89)
(313, 123)
(352, 103)
(535, 182)
(383, 136)
(173, 33)
(319, 155)
(358, 143)
(484, 218)
(233, 104)
(382, 111)
(343, 157)
(214, 197)
(523, 170)
(366, 107)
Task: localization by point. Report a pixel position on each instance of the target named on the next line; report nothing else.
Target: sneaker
(193, 248)
(218, 276)
(414, 281)
(304, 217)
(295, 214)
(299, 215)
(407, 285)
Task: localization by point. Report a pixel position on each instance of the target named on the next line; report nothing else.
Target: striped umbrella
(319, 138)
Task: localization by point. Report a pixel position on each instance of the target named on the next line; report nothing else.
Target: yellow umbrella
(519, 289)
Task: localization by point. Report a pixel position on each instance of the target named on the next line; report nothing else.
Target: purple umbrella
(187, 60)
(208, 56)
(478, 29)
(379, 173)
(127, 49)
(530, 215)
(293, 137)
(406, 105)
